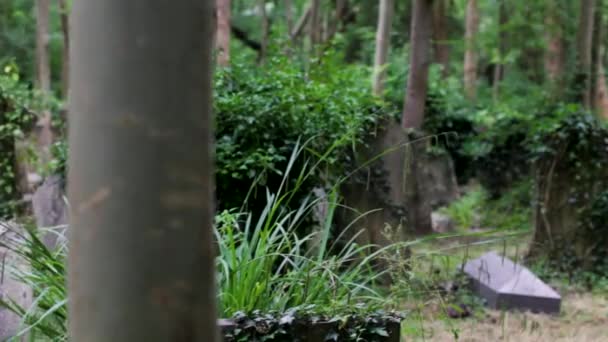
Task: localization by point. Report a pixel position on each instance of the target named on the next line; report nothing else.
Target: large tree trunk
(44, 131)
(585, 48)
(65, 63)
(417, 82)
(440, 36)
(554, 55)
(419, 211)
(140, 174)
(223, 32)
(383, 33)
(470, 56)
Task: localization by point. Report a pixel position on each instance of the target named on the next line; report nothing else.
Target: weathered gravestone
(507, 285)
(50, 209)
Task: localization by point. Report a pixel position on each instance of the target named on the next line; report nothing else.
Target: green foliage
(16, 118)
(466, 211)
(573, 159)
(264, 265)
(45, 274)
(261, 114)
(294, 325)
(512, 210)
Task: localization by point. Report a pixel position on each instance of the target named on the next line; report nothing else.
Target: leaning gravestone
(507, 285)
(50, 209)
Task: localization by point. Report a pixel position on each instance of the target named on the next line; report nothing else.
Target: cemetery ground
(583, 316)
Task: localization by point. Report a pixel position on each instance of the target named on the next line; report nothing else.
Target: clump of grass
(512, 210)
(262, 265)
(45, 274)
(466, 211)
(265, 265)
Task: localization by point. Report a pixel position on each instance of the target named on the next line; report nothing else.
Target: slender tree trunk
(470, 56)
(585, 48)
(65, 63)
(339, 13)
(304, 19)
(315, 23)
(417, 83)
(499, 67)
(419, 211)
(140, 181)
(265, 31)
(223, 32)
(289, 15)
(44, 131)
(385, 18)
(440, 36)
(600, 95)
(554, 55)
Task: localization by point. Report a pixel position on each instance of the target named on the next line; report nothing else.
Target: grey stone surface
(9, 287)
(50, 208)
(442, 223)
(507, 285)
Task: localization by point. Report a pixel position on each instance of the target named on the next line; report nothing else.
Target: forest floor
(583, 317)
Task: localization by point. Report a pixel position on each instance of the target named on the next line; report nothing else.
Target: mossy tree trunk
(140, 172)
(571, 206)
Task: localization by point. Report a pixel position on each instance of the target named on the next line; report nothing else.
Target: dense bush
(261, 114)
(16, 118)
(571, 164)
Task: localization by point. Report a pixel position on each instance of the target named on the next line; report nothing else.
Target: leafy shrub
(16, 102)
(466, 211)
(570, 163)
(261, 114)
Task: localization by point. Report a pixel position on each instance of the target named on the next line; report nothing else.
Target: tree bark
(315, 23)
(418, 210)
(289, 15)
(304, 19)
(140, 172)
(499, 67)
(440, 36)
(554, 55)
(223, 32)
(44, 131)
(65, 63)
(385, 17)
(339, 13)
(417, 83)
(265, 31)
(585, 58)
(470, 56)
(600, 95)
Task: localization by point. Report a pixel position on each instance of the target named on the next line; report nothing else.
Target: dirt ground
(584, 318)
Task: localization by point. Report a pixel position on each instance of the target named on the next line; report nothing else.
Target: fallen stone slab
(506, 285)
